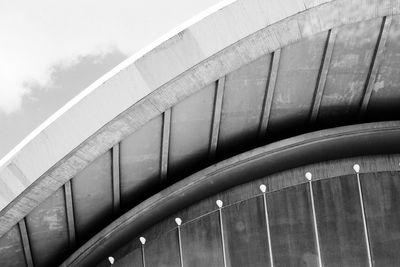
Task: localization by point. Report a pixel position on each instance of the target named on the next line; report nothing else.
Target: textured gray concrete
(110, 109)
(318, 146)
(246, 74)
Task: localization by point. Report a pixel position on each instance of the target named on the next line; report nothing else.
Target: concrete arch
(150, 82)
(206, 53)
(331, 144)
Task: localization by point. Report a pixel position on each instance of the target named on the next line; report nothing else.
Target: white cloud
(38, 35)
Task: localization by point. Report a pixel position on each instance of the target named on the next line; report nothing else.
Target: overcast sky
(51, 50)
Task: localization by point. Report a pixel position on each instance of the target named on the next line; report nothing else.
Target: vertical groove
(216, 122)
(268, 230)
(322, 74)
(70, 213)
(269, 94)
(180, 246)
(116, 178)
(25, 243)
(315, 224)
(165, 146)
(376, 62)
(222, 236)
(364, 220)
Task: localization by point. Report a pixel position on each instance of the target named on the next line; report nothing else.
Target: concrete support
(69, 207)
(165, 146)
(219, 95)
(25, 243)
(116, 179)
(323, 73)
(375, 64)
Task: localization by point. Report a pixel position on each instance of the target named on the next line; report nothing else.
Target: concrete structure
(251, 92)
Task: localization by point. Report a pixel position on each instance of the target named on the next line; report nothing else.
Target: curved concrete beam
(153, 80)
(341, 142)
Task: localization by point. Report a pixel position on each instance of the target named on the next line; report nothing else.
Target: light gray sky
(52, 50)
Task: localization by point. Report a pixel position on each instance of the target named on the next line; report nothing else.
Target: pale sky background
(51, 50)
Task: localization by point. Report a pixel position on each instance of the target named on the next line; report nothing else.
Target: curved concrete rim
(324, 145)
(152, 81)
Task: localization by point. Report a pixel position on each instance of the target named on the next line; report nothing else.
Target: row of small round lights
(263, 189)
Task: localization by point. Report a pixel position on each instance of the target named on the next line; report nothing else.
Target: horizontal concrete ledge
(335, 143)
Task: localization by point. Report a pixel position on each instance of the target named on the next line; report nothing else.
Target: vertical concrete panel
(140, 163)
(382, 208)
(385, 97)
(48, 230)
(339, 220)
(164, 251)
(347, 75)
(92, 197)
(295, 86)
(201, 242)
(292, 229)
(132, 259)
(191, 122)
(242, 105)
(11, 251)
(245, 234)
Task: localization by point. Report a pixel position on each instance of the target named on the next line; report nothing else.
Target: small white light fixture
(219, 203)
(308, 176)
(178, 221)
(142, 240)
(356, 168)
(111, 260)
(263, 188)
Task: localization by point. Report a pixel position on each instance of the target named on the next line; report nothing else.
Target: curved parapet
(242, 75)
